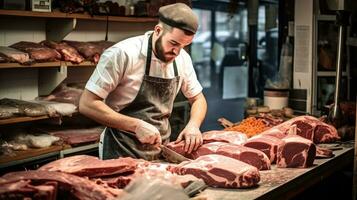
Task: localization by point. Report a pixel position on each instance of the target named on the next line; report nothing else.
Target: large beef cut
(150, 170)
(46, 185)
(38, 52)
(296, 152)
(265, 143)
(209, 148)
(23, 189)
(245, 154)
(220, 171)
(77, 136)
(90, 50)
(84, 165)
(65, 94)
(69, 53)
(233, 137)
(14, 55)
(308, 127)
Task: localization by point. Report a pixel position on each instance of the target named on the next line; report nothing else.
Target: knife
(168, 153)
(171, 155)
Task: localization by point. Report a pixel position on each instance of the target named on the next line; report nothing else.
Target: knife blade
(172, 156)
(168, 153)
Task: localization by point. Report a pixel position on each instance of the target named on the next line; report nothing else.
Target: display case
(324, 66)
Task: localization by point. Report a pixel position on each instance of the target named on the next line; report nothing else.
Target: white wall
(303, 59)
(23, 83)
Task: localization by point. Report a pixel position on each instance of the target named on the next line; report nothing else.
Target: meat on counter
(265, 143)
(308, 127)
(52, 185)
(220, 171)
(245, 154)
(296, 152)
(233, 137)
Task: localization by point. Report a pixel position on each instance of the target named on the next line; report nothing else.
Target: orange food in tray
(250, 126)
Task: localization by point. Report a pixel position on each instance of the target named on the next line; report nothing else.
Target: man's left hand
(192, 136)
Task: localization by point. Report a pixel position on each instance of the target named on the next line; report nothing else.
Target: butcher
(133, 88)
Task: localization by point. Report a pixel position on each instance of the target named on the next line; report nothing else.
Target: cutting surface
(284, 183)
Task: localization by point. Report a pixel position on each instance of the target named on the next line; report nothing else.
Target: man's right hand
(147, 133)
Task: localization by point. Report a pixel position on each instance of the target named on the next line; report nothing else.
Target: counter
(285, 183)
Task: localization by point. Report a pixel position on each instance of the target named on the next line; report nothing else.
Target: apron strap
(175, 69)
(148, 59)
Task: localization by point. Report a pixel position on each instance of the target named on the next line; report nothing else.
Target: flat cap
(179, 15)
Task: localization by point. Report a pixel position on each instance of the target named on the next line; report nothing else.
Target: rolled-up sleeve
(107, 74)
(190, 84)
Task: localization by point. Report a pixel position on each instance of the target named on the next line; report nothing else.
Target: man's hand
(192, 136)
(147, 133)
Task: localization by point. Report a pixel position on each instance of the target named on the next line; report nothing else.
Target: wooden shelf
(47, 64)
(59, 151)
(58, 14)
(29, 154)
(82, 64)
(28, 119)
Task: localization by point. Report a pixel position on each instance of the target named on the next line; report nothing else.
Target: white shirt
(121, 68)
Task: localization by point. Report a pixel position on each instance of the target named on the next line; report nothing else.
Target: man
(139, 79)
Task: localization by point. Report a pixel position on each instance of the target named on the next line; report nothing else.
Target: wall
(23, 83)
(303, 59)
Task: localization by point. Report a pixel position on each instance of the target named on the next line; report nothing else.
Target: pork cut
(308, 127)
(68, 53)
(266, 144)
(38, 52)
(233, 137)
(296, 152)
(36, 184)
(84, 165)
(219, 171)
(245, 154)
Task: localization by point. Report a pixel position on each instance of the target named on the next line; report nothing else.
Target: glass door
(218, 52)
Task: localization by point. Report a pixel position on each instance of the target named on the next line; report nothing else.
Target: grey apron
(153, 104)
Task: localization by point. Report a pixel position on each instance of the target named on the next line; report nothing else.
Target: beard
(160, 52)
